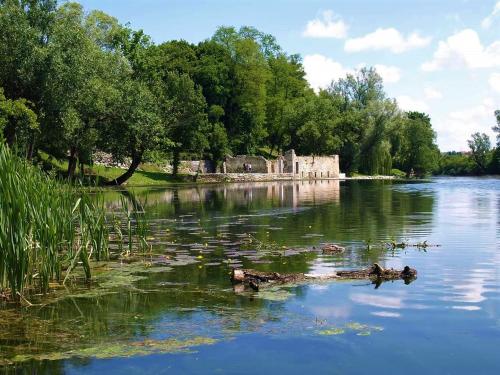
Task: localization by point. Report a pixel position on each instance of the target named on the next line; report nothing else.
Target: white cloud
(457, 126)
(321, 70)
(488, 21)
(464, 49)
(431, 93)
(390, 74)
(389, 39)
(329, 26)
(495, 82)
(407, 103)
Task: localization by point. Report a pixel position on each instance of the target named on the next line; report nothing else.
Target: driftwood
(332, 249)
(376, 274)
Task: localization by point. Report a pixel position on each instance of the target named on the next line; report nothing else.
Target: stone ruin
(304, 167)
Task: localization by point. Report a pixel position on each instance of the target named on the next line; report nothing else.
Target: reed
(46, 227)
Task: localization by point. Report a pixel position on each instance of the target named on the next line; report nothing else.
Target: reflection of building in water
(282, 193)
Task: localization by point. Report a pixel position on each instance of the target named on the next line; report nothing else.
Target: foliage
(94, 84)
(480, 147)
(44, 225)
(18, 122)
(418, 152)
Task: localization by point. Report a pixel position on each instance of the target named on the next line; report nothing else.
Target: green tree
(316, 133)
(365, 117)
(136, 125)
(480, 146)
(187, 109)
(18, 121)
(83, 80)
(285, 89)
(419, 152)
(496, 128)
(245, 112)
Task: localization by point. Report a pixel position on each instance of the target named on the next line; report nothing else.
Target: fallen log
(257, 279)
(332, 249)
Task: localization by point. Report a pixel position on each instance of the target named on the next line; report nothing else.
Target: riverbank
(266, 177)
(152, 175)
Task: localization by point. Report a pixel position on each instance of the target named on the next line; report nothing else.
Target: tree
(25, 28)
(480, 146)
(285, 89)
(245, 112)
(419, 152)
(316, 133)
(18, 121)
(365, 116)
(187, 109)
(83, 80)
(496, 128)
(135, 126)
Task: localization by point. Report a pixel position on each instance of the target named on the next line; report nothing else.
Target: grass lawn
(146, 175)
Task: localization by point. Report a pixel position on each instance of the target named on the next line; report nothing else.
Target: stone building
(301, 167)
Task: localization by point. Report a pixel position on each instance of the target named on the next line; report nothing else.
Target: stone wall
(312, 167)
(192, 167)
(235, 164)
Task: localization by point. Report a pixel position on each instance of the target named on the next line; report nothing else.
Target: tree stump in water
(257, 279)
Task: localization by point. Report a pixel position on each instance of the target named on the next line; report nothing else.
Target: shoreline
(228, 178)
(265, 177)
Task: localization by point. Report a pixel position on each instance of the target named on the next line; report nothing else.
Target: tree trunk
(31, 149)
(136, 161)
(72, 161)
(176, 161)
(9, 133)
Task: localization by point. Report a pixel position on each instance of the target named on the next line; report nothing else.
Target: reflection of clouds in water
(319, 287)
(332, 312)
(467, 308)
(474, 289)
(378, 301)
(386, 314)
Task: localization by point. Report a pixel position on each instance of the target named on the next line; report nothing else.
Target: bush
(398, 173)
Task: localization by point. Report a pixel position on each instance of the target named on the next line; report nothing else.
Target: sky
(441, 57)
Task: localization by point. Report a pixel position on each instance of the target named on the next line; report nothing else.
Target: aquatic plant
(45, 227)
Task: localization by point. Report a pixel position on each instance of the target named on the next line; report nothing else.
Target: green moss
(122, 349)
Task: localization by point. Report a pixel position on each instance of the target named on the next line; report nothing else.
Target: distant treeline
(74, 82)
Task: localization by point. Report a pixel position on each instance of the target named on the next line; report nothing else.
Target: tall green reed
(45, 227)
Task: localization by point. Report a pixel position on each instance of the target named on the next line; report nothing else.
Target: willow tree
(419, 152)
(365, 115)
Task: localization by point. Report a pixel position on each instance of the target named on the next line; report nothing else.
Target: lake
(176, 311)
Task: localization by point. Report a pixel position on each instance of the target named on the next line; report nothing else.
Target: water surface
(177, 312)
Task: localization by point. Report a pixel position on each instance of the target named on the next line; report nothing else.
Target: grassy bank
(146, 175)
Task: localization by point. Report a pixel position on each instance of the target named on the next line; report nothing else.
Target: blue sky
(437, 56)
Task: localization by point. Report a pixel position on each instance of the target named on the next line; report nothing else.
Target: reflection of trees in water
(182, 301)
(189, 302)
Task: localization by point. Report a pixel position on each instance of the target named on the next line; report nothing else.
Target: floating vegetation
(398, 245)
(358, 328)
(112, 277)
(274, 294)
(332, 332)
(122, 350)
